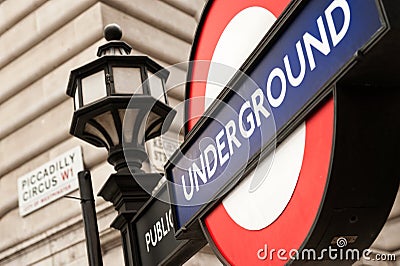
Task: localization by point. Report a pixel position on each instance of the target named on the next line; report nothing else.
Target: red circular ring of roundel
(236, 245)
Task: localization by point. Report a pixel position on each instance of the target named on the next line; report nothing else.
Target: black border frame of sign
(185, 250)
(192, 228)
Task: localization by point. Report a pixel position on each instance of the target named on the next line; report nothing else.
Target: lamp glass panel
(156, 87)
(127, 80)
(89, 129)
(106, 120)
(128, 118)
(93, 87)
(153, 117)
(156, 129)
(153, 124)
(76, 99)
(142, 129)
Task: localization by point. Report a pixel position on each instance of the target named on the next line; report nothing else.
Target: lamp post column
(123, 190)
(89, 219)
(128, 197)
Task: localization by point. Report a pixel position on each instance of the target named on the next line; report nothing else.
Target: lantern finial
(112, 32)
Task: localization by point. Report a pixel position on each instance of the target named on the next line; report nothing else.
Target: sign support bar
(90, 219)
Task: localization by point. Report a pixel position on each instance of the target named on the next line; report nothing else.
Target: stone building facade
(40, 42)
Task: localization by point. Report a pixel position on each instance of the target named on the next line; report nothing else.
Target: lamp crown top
(112, 32)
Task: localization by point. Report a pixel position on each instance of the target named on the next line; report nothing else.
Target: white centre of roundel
(260, 208)
(237, 41)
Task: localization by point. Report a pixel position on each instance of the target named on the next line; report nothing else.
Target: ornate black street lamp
(120, 102)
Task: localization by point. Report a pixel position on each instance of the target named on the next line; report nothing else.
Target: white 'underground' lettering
(311, 44)
(226, 143)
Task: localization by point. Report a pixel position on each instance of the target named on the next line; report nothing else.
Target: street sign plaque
(155, 234)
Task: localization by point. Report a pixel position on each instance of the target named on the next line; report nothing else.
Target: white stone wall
(40, 42)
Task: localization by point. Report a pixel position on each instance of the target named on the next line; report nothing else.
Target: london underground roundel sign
(333, 178)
